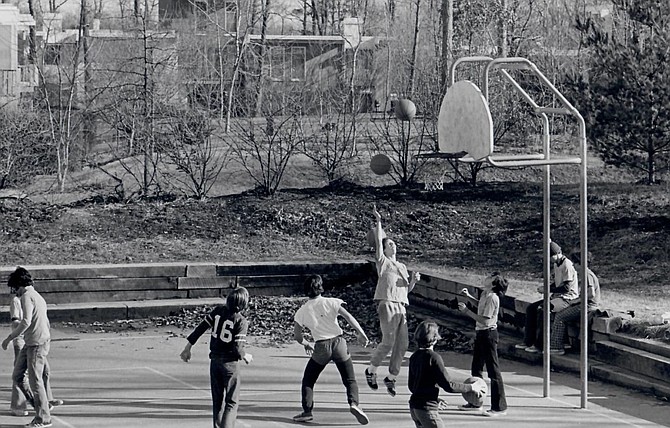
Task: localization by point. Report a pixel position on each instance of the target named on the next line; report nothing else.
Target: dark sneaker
(495, 413)
(35, 424)
(557, 351)
(303, 417)
(56, 403)
(390, 386)
(470, 408)
(371, 379)
(19, 412)
(360, 415)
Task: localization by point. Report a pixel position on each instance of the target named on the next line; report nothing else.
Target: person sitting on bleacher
(564, 290)
(571, 313)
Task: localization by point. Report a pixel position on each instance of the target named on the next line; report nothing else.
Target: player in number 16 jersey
(229, 333)
(226, 348)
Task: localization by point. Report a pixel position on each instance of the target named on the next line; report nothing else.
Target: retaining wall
(106, 292)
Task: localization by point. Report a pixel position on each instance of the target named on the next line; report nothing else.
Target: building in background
(18, 74)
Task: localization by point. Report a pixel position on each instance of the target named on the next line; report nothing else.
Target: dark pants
(426, 418)
(533, 334)
(225, 380)
(336, 350)
(486, 353)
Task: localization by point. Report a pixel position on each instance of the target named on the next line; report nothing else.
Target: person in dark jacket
(427, 375)
(226, 348)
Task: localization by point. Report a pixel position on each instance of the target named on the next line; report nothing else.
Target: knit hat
(554, 249)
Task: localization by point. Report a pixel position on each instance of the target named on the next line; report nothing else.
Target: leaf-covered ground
(271, 319)
(461, 231)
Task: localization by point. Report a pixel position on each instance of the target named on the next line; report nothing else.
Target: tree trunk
(651, 167)
(415, 41)
(447, 42)
(261, 60)
(88, 120)
(503, 48)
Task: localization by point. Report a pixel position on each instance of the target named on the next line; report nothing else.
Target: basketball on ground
(474, 398)
(380, 164)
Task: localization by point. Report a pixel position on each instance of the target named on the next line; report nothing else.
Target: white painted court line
(179, 381)
(103, 339)
(565, 403)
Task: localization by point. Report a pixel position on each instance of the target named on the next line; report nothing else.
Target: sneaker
(359, 414)
(18, 412)
(533, 350)
(54, 403)
(303, 417)
(390, 386)
(371, 379)
(495, 413)
(35, 424)
(557, 352)
(521, 346)
(470, 408)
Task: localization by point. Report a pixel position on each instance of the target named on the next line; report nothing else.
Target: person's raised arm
(465, 293)
(379, 251)
(360, 334)
(462, 307)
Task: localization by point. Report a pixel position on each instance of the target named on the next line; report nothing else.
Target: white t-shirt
(488, 307)
(319, 315)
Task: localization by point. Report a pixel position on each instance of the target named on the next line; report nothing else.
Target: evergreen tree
(625, 92)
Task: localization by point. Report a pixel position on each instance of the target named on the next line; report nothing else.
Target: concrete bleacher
(133, 291)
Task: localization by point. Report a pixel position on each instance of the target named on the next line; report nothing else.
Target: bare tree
(264, 147)
(188, 144)
(24, 147)
(328, 140)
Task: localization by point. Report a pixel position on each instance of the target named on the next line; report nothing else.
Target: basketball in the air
(405, 109)
(380, 164)
(474, 398)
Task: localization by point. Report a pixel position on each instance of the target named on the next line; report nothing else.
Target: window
(287, 63)
(277, 63)
(297, 63)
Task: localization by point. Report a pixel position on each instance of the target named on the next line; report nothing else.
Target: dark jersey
(426, 375)
(229, 333)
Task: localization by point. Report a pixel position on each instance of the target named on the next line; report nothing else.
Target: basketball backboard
(464, 123)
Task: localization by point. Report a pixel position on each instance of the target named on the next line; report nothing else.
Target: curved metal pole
(516, 63)
(452, 69)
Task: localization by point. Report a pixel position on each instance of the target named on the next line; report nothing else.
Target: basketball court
(138, 380)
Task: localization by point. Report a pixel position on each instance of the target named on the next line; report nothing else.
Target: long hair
(20, 278)
(238, 299)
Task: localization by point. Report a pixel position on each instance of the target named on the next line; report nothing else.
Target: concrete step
(649, 345)
(628, 379)
(635, 360)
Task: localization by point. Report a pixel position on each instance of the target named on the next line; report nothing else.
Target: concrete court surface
(127, 380)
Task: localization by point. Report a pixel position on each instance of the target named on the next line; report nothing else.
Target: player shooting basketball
(393, 286)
